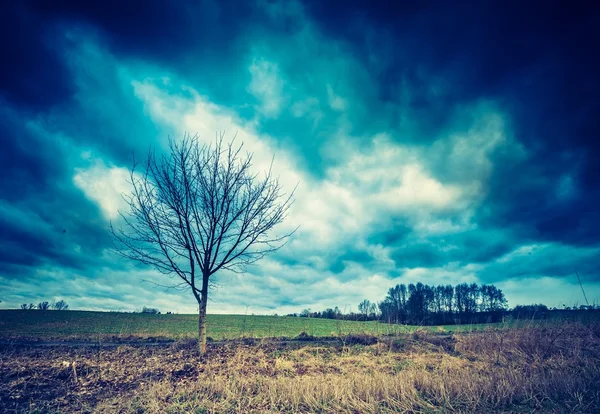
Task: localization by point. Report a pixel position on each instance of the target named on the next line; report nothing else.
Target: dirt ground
(514, 371)
(54, 376)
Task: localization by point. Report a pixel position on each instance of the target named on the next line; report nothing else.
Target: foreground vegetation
(528, 369)
(104, 325)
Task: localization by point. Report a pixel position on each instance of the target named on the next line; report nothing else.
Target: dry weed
(544, 369)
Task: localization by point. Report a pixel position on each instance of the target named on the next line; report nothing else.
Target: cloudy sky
(443, 142)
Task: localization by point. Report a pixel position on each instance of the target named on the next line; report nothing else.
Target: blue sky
(440, 142)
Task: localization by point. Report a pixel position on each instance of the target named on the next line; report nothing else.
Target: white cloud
(522, 251)
(267, 86)
(464, 152)
(323, 210)
(105, 186)
(336, 102)
(391, 179)
(307, 107)
(100, 289)
(368, 182)
(452, 273)
(363, 187)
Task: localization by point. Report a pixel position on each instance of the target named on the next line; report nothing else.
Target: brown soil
(513, 371)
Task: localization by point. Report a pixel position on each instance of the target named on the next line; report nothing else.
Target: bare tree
(61, 305)
(364, 307)
(200, 209)
(43, 306)
(373, 308)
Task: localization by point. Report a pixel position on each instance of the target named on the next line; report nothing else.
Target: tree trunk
(202, 319)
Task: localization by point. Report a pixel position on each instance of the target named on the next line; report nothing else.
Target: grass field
(91, 325)
(535, 369)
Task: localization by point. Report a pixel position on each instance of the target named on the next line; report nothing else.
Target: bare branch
(200, 209)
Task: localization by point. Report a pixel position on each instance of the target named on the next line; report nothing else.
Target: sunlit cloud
(411, 160)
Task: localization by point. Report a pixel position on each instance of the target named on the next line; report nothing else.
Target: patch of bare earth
(552, 369)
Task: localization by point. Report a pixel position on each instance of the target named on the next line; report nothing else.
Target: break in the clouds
(439, 142)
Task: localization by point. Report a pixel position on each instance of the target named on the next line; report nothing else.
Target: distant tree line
(59, 305)
(62, 305)
(421, 304)
(540, 311)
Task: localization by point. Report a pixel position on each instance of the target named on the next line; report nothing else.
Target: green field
(90, 325)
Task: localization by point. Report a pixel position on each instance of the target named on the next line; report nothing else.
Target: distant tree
(199, 210)
(61, 305)
(364, 308)
(328, 313)
(430, 305)
(449, 299)
(43, 306)
(438, 299)
(305, 313)
(461, 293)
(419, 302)
(31, 306)
(492, 299)
(423, 304)
(24, 306)
(152, 311)
(373, 311)
(394, 307)
(472, 299)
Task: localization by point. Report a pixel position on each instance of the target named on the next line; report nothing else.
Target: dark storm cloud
(351, 255)
(159, 30)
(33, 75)
(50, 233)
(38, 225)
(561, 261)
(539, 62)
(472, 246)
(46, 220)
(62, 93)
(174, 35)
(199, 41)
(28, 162)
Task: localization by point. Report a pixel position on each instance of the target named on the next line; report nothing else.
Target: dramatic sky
(441, 142)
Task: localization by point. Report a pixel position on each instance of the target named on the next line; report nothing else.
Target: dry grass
(552, 369)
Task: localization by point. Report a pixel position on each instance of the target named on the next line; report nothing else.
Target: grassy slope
(84, 324)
